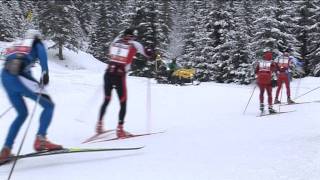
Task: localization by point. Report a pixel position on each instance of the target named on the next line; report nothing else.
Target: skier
(264, 70)
(121, 53)
(284, 63)
(172, 67)
(18, 82)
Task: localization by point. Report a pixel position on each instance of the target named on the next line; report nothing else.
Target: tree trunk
(60, 55)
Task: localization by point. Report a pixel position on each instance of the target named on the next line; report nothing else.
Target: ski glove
(45, 79)
(150, 53)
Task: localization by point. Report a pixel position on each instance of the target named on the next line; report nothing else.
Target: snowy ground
(207, 136)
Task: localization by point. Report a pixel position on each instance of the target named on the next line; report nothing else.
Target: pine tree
(7, 26)
(152, 22)
(86, 16)
(57, 20)
(308, 34)
(106, 28)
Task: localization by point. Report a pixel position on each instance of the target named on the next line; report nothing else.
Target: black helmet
(128, 32)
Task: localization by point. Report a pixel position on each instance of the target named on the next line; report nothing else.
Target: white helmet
(32, 33)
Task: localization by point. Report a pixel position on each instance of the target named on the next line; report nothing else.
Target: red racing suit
(121, 54)
(264, 71)
(283, 64)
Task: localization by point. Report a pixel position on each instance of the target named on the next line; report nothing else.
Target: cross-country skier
(121, 53)
(18, 83)
(284, 63)
(264, 70)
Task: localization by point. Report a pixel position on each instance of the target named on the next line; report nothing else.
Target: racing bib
(119, 53)
(283, 62)
(264, 66)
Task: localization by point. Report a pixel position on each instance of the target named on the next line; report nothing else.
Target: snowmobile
(184, 76)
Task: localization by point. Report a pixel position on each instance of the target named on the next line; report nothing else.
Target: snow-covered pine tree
(86, 15)
(128, 13)
(7, 23)
(58, 21)
(271, 28)
(151, 22)
(16, 16)
(176, 40)
(308, 35)
(106, 28)
(241, 56)
(189, 30)
(223, 40)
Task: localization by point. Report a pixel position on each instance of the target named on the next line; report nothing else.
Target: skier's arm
(43, 58)
(140, 49)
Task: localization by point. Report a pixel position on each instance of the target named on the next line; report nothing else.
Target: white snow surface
(207, 136)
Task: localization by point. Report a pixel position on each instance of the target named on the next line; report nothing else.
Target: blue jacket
(38, 52)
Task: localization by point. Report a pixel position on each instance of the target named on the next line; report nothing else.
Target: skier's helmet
(130, 33)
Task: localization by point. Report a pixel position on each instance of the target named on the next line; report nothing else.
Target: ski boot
(271, 110)
(276, 101)
(121, 133)
(99, 127)
(290, 101)
(261, 107)
(5, 155)
(42, 144)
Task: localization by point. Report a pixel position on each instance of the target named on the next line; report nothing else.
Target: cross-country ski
(67, 151)
(128, 136)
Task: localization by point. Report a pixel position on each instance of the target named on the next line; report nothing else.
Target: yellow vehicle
(184, 73)
(182, 76)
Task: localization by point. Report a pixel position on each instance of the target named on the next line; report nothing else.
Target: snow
(206, 137)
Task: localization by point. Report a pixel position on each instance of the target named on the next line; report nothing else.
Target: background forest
(220, 38)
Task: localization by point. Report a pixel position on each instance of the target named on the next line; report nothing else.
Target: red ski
(129, 136)
(98, 136)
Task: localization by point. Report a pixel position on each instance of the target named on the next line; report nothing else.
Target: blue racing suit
(24, 84)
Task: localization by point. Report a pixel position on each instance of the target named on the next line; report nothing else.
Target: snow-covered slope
(207, 135)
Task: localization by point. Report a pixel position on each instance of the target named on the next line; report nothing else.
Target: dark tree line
(220, 38)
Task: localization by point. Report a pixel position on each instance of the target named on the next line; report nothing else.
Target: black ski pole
(298, 86)
(249, 99)
(307, 92)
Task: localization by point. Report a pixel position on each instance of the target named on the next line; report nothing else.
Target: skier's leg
(30, 89)
(287, 83)
(279, 86)
(18, 103)
(107, 95)
(269, 92)
(122, 94)
(261, 96)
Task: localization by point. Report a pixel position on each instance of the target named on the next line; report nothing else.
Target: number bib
(265, 66)
(18, 49)
(119, 53)
(284, 62)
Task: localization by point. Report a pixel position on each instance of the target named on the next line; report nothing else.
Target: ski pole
(27, 128)
(298, 86)
(249, 99)
(280, 95)
(307, 92)
(5, 112)
(148, 105)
